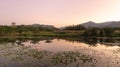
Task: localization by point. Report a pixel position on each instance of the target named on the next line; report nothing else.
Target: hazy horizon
(58, 12)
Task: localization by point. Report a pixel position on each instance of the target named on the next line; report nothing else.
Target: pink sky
(58, 12)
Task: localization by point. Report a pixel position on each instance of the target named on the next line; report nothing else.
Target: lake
(59, 52)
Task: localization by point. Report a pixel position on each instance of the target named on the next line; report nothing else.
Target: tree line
(23, 29)
(68, 30)
(94, 31)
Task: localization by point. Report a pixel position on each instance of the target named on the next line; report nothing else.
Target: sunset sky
(58, 12)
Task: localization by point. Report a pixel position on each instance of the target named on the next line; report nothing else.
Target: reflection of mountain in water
(94, 41)
(20, 41)
(90, 41)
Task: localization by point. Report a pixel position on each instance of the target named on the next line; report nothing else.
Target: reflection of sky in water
(63, 45)
(106, 56)
(56, 45)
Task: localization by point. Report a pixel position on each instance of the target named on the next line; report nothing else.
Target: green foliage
(101, 32)
(69, 31)
(23, 30)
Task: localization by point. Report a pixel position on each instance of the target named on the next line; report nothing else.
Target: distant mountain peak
(90, 22)
(102, 25)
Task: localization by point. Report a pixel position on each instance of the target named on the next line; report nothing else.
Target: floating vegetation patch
(26, 56)
(71, 57)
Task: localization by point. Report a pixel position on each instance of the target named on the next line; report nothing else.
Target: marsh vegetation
(65, 52)
(68, 31)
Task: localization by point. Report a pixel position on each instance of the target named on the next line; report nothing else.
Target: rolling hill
(102, 25)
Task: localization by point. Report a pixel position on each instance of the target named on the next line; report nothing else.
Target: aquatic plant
(71, 57)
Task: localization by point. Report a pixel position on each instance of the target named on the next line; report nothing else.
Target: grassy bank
(59, 34)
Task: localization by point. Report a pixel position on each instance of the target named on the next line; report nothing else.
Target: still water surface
(59, 52)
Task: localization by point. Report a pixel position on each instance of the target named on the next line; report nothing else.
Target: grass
(58, 34)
